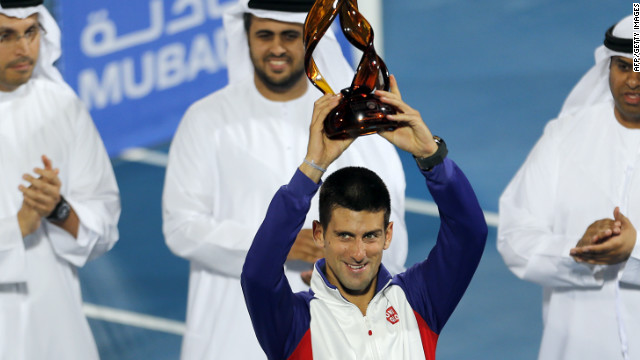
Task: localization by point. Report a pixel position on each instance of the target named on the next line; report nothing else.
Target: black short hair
(247, 17)
(354, 188)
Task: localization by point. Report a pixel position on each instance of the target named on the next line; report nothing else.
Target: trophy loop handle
(360, 111)
(372, 73)
(318, 20)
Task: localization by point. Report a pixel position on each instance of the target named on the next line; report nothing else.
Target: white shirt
(40, 301)
(579, 171)
(232, 151)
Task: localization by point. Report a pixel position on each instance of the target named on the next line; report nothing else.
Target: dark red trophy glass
(360, 112)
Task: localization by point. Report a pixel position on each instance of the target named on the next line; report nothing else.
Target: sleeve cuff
(302, 185)
(10, 234)
(13, 263)
(635, 253)
(631, 272)
(439, 173)
(76, 251)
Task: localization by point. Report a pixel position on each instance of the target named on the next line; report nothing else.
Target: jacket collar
(322, 288)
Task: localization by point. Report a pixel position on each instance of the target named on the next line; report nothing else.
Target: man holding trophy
(356, 309)
(232, 151)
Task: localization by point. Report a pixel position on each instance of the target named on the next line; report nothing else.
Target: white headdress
(328, 55)
(593, 88)
(50, 48)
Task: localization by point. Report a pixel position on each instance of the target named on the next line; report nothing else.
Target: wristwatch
(61, 212)
(427, 163)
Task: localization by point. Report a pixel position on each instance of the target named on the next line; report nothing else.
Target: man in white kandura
(59, 201)
(567, 219)
(233, 150)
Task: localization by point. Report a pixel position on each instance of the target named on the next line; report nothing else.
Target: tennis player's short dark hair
(354, 188)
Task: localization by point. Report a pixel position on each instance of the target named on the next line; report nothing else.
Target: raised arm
(435, 286)
(278, 316)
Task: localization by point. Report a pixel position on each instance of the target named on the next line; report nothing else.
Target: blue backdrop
(138, 67)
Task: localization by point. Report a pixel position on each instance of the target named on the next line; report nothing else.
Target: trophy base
(359, 114)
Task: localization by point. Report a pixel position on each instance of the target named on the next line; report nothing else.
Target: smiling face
(625, 88)
(18, 57)
(353, 243)
(277, 54)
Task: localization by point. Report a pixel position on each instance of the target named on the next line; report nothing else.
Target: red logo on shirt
(392, 315)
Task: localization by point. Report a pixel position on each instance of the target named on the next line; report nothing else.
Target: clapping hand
(606, 241)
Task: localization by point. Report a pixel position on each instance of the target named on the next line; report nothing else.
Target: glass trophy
(360, 112)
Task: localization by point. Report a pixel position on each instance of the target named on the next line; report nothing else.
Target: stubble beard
(283, 85)
(10, 84)
(353, 292)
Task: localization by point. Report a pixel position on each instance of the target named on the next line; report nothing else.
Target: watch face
(63, 211)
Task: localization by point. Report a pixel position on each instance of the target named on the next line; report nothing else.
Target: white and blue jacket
(407, 312)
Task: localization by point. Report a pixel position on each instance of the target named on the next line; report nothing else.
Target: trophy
(360, 112)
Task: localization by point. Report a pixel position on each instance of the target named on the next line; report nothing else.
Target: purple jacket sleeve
(280, 318)
(435, 286)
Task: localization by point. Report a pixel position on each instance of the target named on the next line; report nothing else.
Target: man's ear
(318, 234)
(388, 235)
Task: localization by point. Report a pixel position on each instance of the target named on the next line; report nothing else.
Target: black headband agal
(616, 43)
(282, 5)
(11, 4)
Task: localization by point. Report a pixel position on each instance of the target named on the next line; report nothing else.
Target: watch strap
(427, 163)
(61, 212)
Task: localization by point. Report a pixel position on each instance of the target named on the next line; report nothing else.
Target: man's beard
(283, 85)
(21, 59)
(20, 78)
